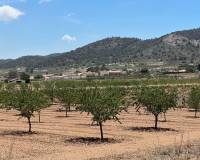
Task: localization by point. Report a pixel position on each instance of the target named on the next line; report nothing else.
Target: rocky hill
(176, 47)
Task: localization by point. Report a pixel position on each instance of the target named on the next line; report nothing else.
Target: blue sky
(32, 27)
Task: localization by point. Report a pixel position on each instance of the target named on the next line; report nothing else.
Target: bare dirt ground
(51, 140)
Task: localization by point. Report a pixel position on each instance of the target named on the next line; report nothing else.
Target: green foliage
(10, 86)
(49, 88)
(123, 82)
(27, 101)
(1, 85)
(38, 77)
(157, 100)
(198, 67)
(194, 99)
(67, 96)
(30, 70)
(102, 104)
(144, 71)
(3, 98)
(191, 69)
(25, 77)
(36, 85)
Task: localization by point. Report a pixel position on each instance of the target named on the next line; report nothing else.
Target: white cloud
(72, 18)
(44, 1)
(71, 14)
(68, 38)
(8, 13)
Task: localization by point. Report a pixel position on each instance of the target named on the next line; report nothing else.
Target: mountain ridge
(176, 47)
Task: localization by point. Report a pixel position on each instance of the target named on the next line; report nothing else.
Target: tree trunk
(195, 113)
(69, 107)
(52, 96)
(138, 110)
(39, 116)
(66, 110)
(29, 122)
(156, 121)
(165, 119)
(101, 130)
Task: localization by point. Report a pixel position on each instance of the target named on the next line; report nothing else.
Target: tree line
(102, 104)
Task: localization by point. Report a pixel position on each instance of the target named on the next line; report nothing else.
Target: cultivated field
(55, 137)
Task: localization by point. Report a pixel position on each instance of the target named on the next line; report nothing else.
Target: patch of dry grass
(188, 151)
(8, 154)
(74, 138)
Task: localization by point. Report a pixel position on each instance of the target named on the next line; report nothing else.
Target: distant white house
(63, 77)
(115, 72)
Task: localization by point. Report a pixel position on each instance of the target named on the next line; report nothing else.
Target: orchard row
(102, 103)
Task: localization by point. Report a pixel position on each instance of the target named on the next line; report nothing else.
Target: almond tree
(3, 97)
(27, 101)
(102, 104)
(157, 100)
(49, 89)
(67, 96)
(1, 94)
(37, 87)
(1, 86)
(194, 99)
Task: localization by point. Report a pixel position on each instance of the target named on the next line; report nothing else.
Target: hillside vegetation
(177, 47)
